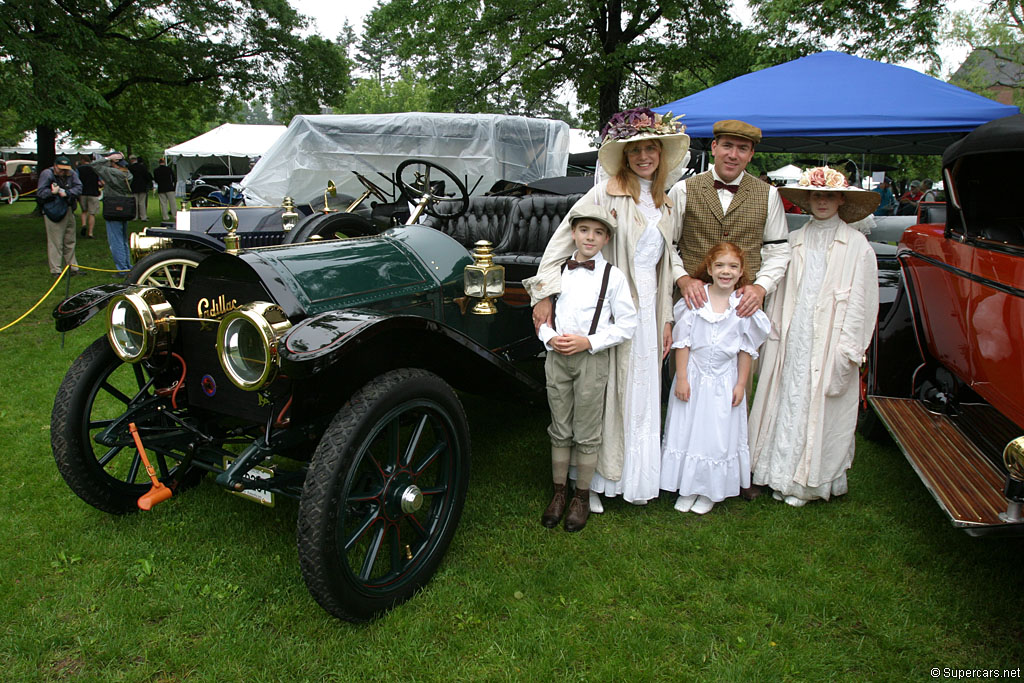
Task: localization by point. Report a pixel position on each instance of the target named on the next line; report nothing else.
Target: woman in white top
(639, 151)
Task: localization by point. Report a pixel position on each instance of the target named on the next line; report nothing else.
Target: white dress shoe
(595, 503)
(702, 505)
(684, 503)
(795, 502)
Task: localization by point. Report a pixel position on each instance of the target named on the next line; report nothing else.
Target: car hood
(328, 275)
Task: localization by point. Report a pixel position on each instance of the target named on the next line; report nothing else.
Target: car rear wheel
(328, 226)
(165, 268)
(97, 391)
(383, 494)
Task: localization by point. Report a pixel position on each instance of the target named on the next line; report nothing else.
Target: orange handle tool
(158, 493)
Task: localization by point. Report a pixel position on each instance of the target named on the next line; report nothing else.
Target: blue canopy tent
(833, 102)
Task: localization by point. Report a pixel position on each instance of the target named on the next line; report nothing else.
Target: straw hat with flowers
(858, 203)
(634, 125)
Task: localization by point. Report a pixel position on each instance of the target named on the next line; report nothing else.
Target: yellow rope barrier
(50, 291)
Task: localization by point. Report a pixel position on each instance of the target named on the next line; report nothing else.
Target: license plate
(258, 495)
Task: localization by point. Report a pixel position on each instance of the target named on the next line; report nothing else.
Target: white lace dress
(641, 468)
(705, 449)
(785, 447)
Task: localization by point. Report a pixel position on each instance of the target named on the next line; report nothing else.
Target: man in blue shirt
(888, 204)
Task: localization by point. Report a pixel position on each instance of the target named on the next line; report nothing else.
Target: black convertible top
(1001, 135)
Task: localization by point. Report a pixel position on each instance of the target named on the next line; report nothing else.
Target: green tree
(995, 34)
(883, 30)
(524, 56)
(532, 56)
(315, 80)
(404, 93)
(127, 71)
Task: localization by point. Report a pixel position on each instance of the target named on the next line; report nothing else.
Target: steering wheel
(371, 188)
(420, 187)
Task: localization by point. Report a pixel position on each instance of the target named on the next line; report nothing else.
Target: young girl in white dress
(705, 457)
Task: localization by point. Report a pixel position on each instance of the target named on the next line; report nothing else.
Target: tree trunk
(608, 98)
(46, 147)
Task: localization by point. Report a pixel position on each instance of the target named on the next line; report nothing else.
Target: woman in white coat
(638, 152)
(823, 314)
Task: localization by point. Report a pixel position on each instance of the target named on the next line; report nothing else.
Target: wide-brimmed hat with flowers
(638, 124)
(858, 203)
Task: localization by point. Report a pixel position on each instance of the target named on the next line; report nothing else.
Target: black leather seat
(531, 225)
(487, 218)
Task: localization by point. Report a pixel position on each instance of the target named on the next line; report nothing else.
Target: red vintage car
(18, 177)
(945, 373)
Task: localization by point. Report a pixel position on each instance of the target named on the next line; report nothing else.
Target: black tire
(166, 267)
(96, 390)
(9, 193)
(403, 429)
(869, 424)
(328, 225)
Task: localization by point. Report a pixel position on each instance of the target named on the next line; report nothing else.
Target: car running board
(967, 486)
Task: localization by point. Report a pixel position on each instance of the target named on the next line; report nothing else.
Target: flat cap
(739, 129)
(593, 212)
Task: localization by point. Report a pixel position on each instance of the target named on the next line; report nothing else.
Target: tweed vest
(704, 225)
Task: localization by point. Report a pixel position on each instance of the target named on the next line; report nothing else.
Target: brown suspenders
(600, 297)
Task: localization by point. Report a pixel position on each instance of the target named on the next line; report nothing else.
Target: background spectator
(164, 177)
(90, 199)
(59, 188)
(142, 181)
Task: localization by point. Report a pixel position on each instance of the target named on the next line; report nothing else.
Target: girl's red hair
(704, 270)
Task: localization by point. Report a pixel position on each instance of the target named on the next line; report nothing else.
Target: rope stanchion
(103, 270)
(56, 282)
(48, 293)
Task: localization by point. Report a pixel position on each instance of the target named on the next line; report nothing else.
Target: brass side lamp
(230, 221)
(289, 218)
(484, 280)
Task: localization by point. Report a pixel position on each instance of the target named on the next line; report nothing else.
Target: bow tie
(573, 265)
(719, 185)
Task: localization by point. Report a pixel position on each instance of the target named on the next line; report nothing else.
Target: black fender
(895, 352)
(79, 308)
(188, 240)
(345, 349)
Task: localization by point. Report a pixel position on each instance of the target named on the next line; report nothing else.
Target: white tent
(786, 174)
(65, 145)
(230, 146)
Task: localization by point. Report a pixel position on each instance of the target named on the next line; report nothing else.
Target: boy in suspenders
(594, 312)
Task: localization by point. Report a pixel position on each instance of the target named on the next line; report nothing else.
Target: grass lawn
(873, 586)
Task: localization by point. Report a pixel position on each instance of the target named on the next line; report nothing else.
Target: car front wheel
(383, 494)
(90, 406)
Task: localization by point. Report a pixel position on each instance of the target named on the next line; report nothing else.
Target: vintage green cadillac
(321, 371)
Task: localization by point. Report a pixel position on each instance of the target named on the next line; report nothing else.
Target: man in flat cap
(58, 190)
(727, 204)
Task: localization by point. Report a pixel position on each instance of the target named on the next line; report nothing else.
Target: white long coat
(844, 321)
(619, 251)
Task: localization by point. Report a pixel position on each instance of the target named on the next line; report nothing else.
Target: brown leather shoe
(751, 492)
(556, 508)
(579, 510)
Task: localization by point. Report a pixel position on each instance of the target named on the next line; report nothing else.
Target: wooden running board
(964, 482)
